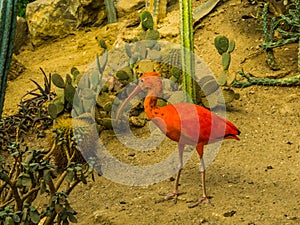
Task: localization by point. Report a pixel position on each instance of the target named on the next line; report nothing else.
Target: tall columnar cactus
(187, 48)
(158, 8)
(7, 26)
(110, 11)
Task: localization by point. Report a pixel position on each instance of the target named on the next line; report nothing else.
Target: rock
(105, 101)
(124, 7)
(58, 18)
(101, 217)
(154, 55)
(138, 121)
(144, 66)
(21, 36)
(170, 26)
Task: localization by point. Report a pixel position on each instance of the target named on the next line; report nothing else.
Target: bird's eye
(142, 80)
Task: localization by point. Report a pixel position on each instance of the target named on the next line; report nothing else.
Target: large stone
(125, 7)
(58, 18)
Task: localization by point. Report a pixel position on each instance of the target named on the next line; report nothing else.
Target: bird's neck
(150, 104)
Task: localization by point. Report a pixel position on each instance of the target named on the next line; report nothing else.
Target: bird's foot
(168, 197)
(203, 200)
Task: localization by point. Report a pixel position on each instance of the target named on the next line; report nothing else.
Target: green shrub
(21, 7)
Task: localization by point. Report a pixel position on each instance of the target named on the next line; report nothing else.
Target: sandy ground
(251, 181)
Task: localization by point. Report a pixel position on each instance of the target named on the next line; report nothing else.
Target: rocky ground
(253, 181)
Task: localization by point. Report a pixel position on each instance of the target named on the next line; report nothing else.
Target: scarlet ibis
(185, 123)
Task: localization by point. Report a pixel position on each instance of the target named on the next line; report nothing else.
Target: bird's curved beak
(137, 90)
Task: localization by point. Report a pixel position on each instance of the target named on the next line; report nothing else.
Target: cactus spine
(7, 26)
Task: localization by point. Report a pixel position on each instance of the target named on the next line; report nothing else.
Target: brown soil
(251, 181)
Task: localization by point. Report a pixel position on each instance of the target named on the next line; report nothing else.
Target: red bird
(185, 123)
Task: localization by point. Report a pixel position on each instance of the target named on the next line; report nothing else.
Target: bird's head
(148, 81)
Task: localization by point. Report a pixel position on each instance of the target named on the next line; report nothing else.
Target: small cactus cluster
(145, 49)
(147, 23)
(77, 92)
(65, 93)
(88, 89)
(171, 64)
(225, 47)
(73, 141)
(142, 55)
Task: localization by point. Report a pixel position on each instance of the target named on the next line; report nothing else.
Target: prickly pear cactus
(222, 44)
(146, 48)
(64, 94)
(7, 26)
(147, 20)
(225, 47)
(76, 93)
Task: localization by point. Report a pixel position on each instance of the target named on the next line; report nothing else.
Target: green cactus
(146, 41)
(128, 50)
(69, 92)
(226, 58)
(52, 110)
(103, 44)
(110, 11)
(225, 48)
(125, 73)
(64, 99)
(75, 72)
(222, 44)
(56, 107)
(81, 99)
(152, 35)
(8, 19)
(58, 81)
(231, 46)
(122, 75)
(147, 20)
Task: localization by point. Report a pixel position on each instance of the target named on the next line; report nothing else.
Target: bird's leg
(202, 171)
(175, 193)
(204, 198)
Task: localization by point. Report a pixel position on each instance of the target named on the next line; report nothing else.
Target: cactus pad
(222, 79)
(103, 44)
(152, 35)
(147, 20)
(69, 92)
(58, 81)
(231, 46)
(128, 50)
(122, 75)
(222, 44)
(226, 60)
